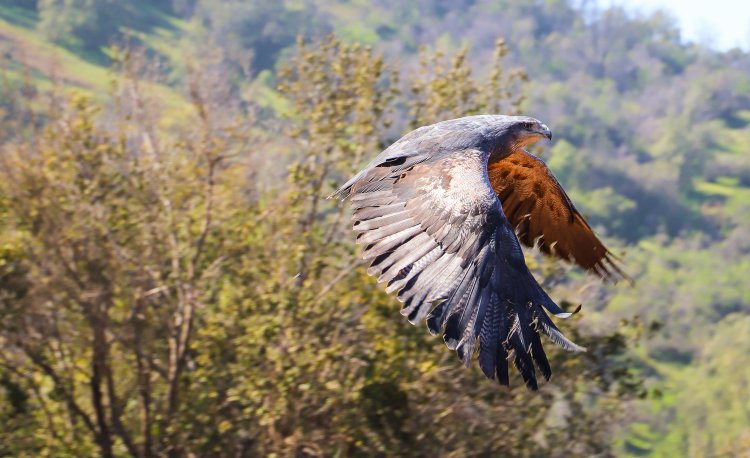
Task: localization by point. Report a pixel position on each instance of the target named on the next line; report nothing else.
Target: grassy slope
(30, 58)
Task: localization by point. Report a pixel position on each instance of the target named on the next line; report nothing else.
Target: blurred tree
(444, 89)
(118, 237)
(88, 24)
(254, 33)
(156, 302)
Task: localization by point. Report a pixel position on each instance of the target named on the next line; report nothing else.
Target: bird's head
(509, 133)
(525, 130)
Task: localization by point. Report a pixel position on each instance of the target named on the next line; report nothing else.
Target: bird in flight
(442, 214)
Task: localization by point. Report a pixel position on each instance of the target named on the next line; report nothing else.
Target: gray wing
(435, 233)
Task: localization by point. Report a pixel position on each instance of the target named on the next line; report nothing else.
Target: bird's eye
(528, 125)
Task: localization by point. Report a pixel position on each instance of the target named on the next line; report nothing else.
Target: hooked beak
(544, 131)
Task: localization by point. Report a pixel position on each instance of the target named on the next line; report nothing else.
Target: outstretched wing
(543, 214)
(436, 234)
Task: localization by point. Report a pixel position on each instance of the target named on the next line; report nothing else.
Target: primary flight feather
(440, 214)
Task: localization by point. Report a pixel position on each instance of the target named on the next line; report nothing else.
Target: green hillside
(651, 140)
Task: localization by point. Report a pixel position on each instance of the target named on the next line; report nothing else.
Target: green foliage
(120, 234)
(254, 33)
(154, 302)
(90, 25)
(719, 382)
(81, 21)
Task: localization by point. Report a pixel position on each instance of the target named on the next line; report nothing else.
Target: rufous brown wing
(543, 214)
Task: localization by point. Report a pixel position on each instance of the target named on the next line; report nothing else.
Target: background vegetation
(172, 281)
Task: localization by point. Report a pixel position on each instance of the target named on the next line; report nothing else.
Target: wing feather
(436, 233)
(542, 214)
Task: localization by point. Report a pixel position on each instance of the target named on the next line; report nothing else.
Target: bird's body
(437, 213)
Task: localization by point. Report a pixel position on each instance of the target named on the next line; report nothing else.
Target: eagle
(442, 214)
